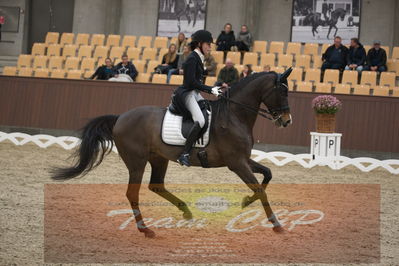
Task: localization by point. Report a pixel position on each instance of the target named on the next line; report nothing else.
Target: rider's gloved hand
(216, 91)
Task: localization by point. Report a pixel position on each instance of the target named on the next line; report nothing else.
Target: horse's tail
(97, 141)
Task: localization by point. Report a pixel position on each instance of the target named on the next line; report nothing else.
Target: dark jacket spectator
(210, 65)
(104, 72)
(376, 58)
(226, 39)
(126, 67)
(335, 56)
(228, 75)
(169, 61)
(244, 39)
(246, 72)
(357, 55)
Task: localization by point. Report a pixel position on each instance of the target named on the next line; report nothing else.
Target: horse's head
(276, 100)
(342, 13)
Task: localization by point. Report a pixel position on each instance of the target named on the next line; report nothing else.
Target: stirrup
(184, 159)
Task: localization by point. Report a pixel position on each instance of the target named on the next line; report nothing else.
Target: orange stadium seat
(113, 40)
(25, 72)
(54, 50)
(210, 81)
(276, 47)
(173, 40)
(161, 42)
(294, 48)
(250, 58)
(101, 61)
(10, 71)
(213, 47)
(350, 77)
(116, 52)
(323, 87)
(285, 60)
(218, 68)
(74, 74)
(152, 64)
(88, 73)
(257, 68)
(393, 66)
(67, 38)
(97, 39)
(162, 52)
(40, 61)
(117, 61)
(317, 62)
(176, 80)
(259, 46)
(88, 64)
(159, 79)
(133, 53)
(342, 88)
(57, 73)
(296, 74)
(239, 68)
(82, 39)
(52, 37)
(380, 91)
(302, 61)
(278, 69)
(331, 76)
(85, 51)
(218, 55)
(55, 62)
(387, 50)
(24, 60)
(324, 47)
(144, 41)
(395, 92)
(71, 63)
(143, 78)
(149, 54)
(311, 49)
(395, 52)
(41, 73)
(69, 50)
(140, 65)
(267, 59)
(367, 48)
(387, 79)
(129, 41)
(361, 90)
(313, 75)
(369, 78)
(234, 56)
(39, 48)
(304, 86)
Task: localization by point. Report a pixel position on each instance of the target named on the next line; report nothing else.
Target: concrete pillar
(138, 17)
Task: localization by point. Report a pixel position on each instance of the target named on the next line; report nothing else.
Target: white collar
(201, 55)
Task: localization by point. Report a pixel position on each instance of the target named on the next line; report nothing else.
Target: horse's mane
(245, 81)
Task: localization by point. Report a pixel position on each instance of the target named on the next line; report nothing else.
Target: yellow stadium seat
(162, 52)
(367, 48)
(152, 64)
(250, 59)
(143, 78)
(74, 74)
(69, 50)
(302, 61)
(323, 87)
(173, 40)
(116, 52)
(85, 51)
(117, 61)
(40, 61)
(101, 52)
(278, 69)
(350, 77)
(342, 88)
(144, 41)
(361, 90)
(259, 46)
(388, 79)
(239, 68)
(41, 73)
(25, 72)
(113, 40)
(39, 49)
(267, 59)
(311, 49)
(176, 80)
(331, 76)
(82, 39)
(369, 78)
(290, 85)
(285, 60)
(218, 55)
(257, 68)
(235, 57)
(161, 42)
(313, 75)
(133, 53)
(57, 73)
(52, 37)
(396, 67)
(317, 62)
(210, 81)
(159, 79)
(88, 64)
(101, 61)
(97, 39)
(218, 68)
(9, 71)
(149, 54)
(395, 92)
(24, 60)
(213, 47)
(296, 74)
(129, 41)
(380, 91)
(276, 47)
(324, 47)
(304, 86)
(395, 52)
(87, 74)
(54, 50)
(71, 63)
(67, 38)
(140, 65)
(387, 50)
(294, 48)
(55, 62)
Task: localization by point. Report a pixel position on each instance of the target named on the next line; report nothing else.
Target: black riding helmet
(202, 36)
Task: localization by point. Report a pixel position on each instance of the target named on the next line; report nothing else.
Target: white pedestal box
(325, 147)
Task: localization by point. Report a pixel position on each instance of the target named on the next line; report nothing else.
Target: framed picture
(320, 21)
(11, 18)
(175, 16)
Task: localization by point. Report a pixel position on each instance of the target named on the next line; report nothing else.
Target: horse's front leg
(243, 170)
(329, 30)
(336, 30)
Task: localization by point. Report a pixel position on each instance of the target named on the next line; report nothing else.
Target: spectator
(246, 72)
(376, 58)
(210, 65)
(125, 67)
(226, 39)
(169, 61)
(228, 74)
(104, 72)
(356, 56)
(266, 68)
(335, 55)
(244, 39)
(180, 62)
(180, 43)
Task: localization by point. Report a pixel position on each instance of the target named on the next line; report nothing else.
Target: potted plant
(326, 106)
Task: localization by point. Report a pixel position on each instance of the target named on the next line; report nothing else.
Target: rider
(188, 95)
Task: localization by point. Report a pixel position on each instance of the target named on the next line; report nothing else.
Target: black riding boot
(184, 158)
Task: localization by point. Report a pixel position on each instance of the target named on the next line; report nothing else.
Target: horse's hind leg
(336, 30)
(329, 31)
(157, 185)
(267, 176)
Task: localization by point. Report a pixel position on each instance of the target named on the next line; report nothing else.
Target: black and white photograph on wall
(175, 16)
(320, 21)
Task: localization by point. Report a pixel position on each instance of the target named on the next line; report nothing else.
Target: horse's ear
(286, 74)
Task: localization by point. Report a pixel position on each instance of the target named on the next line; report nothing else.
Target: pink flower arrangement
(326, 104)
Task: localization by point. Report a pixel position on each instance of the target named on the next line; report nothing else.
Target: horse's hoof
(187, 215)
(246, 201)
(279, 229)
(148, 233)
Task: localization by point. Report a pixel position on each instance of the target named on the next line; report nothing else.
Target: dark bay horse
(136, 134)
(314, 19)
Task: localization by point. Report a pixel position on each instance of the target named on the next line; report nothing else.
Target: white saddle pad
(171, 131)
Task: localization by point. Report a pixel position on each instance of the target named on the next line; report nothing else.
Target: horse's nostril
(288, 122)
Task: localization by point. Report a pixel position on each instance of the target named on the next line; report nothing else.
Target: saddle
(176, 126)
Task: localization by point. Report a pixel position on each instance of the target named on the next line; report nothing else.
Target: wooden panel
(366, 122)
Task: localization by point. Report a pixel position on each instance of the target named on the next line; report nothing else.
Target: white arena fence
(364, 164)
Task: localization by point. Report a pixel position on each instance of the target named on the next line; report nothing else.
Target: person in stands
(180, 62)
(246, 71)
(228, 74)
(244, 39)
(266, 68)
(210, 65)
(180, 43)
(356, 56)
(335, 56)
(104, 72)
(169, 61)
(125, 67)
(226, 39)
(376, 58)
